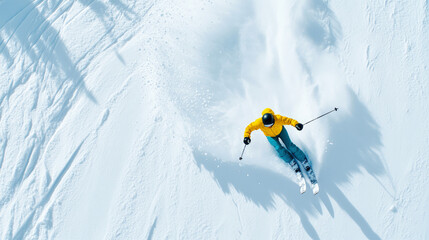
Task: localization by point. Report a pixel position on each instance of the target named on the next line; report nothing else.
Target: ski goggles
(269, 125)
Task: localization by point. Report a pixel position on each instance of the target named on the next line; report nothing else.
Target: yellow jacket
(272, 131)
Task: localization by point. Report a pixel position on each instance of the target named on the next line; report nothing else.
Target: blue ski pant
(290, 152)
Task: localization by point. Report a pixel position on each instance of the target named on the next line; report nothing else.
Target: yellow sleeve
(287, 121)
(252, 127)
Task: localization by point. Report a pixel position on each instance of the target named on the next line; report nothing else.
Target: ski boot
(301, 183)
(301, 180)
(315, 187)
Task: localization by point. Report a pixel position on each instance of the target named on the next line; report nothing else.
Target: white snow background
(124, 119)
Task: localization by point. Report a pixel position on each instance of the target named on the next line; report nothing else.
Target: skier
(272, 126)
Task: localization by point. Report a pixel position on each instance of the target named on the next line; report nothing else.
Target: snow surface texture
(124, 119)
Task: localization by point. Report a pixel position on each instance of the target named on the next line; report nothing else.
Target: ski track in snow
(124, 119)
(41, 65)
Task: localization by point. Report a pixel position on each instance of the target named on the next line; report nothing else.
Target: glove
(299, 126)
(246, 140)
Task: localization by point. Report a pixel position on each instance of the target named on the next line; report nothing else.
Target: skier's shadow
(356, 138)
(260, 186)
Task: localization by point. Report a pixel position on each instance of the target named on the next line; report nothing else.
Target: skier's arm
(288, 121)
(250, 128)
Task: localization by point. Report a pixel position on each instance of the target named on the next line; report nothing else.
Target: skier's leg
(283, 153)
(294, 165)
(298, 153)
(288, 158)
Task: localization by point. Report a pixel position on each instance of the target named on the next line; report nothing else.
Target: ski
(315, 188)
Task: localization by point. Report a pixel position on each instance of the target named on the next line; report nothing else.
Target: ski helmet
(268, 119)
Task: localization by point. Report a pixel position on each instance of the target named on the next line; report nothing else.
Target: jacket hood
(267, 110)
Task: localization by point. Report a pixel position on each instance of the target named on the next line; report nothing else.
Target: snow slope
(124, 119)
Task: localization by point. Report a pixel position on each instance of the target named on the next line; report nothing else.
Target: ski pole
(241, 157)
(335, 109)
